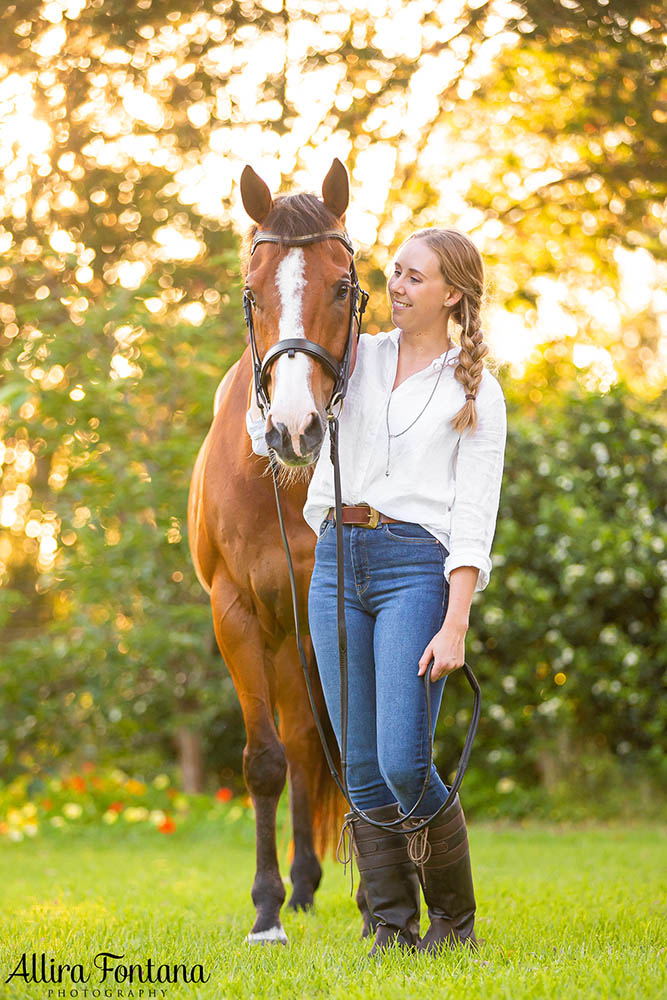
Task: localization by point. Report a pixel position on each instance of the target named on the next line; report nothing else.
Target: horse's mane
(292, 215)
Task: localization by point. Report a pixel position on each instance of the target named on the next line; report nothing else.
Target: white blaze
(292, 400)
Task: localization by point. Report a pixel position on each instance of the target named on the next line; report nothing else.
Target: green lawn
(565, 913)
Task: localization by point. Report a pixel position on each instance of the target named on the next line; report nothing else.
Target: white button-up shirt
(447, 482)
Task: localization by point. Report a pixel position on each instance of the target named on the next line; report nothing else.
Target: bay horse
(234, 533)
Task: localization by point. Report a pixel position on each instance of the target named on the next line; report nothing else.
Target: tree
(533, 125)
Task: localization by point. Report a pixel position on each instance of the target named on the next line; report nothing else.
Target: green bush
(568, 639)
(107, 653)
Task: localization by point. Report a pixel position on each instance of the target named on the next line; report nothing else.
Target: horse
(235, 543)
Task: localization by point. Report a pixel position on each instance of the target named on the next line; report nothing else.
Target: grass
(566, 913)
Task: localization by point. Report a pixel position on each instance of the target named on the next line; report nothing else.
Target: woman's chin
(400, 318)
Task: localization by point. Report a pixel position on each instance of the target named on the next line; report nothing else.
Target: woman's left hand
(446, 648)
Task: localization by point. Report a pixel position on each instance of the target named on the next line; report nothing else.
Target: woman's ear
(453, 298)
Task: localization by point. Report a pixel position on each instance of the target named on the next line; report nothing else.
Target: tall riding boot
(388, 877)
(442, 858)
(369, 923)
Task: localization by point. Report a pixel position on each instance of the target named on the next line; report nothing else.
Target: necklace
(406, 429)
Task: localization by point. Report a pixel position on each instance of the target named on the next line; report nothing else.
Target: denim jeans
(395, 602)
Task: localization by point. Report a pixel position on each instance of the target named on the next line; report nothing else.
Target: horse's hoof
(275, 935)
(297, 903)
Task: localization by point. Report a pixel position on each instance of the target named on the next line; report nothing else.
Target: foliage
(114, 640)
(531, 125)
(574, 112)
(568, 639)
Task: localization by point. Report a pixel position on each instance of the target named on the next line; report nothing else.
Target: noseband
(339, 370)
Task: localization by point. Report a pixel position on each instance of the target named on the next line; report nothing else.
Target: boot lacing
(344, 853)
(419, 848)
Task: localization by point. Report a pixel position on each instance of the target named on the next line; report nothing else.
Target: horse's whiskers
(289, 475)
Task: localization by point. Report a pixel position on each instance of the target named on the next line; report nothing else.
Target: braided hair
(462, 268)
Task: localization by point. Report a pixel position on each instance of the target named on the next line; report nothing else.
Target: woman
(422, 435)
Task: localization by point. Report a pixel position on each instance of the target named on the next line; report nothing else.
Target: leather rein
(340, 371)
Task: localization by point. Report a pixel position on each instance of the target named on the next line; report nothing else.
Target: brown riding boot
(388, 878)
(442, 859)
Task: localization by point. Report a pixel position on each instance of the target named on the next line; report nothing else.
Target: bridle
(340, 371)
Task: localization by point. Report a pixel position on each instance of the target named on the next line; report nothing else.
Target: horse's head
(298, 292)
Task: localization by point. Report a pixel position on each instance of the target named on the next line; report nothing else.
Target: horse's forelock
(292, 215)
(299, 215)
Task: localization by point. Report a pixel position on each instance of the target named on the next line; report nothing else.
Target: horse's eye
(250, 296)
(342, 292)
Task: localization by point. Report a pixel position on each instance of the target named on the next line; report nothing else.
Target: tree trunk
(191, 760)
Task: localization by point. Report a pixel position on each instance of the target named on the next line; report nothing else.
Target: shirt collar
(437, 363)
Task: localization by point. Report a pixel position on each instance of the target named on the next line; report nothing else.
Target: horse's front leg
(264, 763)
(264, 770)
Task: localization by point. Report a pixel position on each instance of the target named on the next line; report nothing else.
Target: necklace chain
(406, 429)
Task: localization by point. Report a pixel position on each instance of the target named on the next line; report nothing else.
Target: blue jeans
(395, 602)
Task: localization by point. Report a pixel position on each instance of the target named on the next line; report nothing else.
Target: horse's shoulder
(224, 384)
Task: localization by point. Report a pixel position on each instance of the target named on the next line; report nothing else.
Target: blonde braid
(471, 360)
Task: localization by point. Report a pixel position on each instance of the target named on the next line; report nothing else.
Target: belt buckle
(373, 519)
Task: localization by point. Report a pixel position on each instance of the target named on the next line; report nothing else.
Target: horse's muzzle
(310, 441)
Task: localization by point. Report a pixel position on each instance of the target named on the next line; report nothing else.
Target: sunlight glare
(598, 369)
(50, 42)
(175, 244)
(638, 271)
(510, 340)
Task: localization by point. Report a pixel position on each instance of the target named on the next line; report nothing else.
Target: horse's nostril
(313, 432)
(276, 435)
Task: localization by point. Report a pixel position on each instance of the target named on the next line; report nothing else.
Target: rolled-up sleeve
(479, 472)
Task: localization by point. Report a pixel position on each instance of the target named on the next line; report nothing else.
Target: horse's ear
(255, 195)
(336, 189)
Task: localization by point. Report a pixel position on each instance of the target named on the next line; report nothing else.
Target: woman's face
(420, 298)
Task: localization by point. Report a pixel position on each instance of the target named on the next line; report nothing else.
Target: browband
(297, 241)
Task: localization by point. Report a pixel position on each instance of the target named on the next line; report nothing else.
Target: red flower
(77, 783)
(224, 794)
(167, 825)
(117, 807)
(47, 804)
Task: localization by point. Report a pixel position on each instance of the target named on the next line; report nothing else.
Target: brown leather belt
(363, 516)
